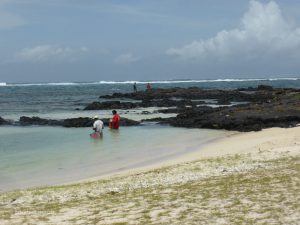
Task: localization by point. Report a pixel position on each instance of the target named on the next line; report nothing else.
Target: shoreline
(247, 177)
(270, 139)
(229, 145)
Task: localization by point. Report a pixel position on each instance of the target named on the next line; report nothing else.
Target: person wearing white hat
(97, 125)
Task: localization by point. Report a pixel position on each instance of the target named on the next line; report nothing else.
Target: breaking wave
(145, 82)
(194, 81)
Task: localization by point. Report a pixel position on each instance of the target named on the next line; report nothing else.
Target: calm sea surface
(37, 156)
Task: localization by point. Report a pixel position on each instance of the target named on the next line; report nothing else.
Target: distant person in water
(134, 87)
(148, 87)
(97, 127)
(115, 121)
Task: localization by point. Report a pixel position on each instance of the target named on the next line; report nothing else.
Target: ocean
(37, 156)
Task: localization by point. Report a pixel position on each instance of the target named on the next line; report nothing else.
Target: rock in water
(27, 121)
(3, 121)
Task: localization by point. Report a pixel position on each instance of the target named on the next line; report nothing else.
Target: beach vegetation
(234, 189)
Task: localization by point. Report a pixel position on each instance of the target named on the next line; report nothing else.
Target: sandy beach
(245, 178)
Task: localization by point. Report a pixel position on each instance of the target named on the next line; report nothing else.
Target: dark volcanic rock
(262, 94)
(27, 121)
(265, 88)
(78, 122)
(71, 122)
(252, 117)
(3, 121)
(223, 101)
(258, 88)
(129, 122)
(165, 103)
(88, 122)
(200, 109)
(172, 110)
(145, 103)
(157, 119)
(110, 105)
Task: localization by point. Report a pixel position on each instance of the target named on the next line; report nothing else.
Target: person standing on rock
(115, 121)
(134, 88)
(97, 127)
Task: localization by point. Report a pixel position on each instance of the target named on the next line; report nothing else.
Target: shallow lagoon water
(38, 156)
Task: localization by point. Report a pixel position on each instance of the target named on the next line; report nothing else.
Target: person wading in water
(115, 121)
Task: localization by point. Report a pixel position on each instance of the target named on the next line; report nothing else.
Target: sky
(118, 40)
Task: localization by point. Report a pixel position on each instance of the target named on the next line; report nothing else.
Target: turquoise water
(37, 156)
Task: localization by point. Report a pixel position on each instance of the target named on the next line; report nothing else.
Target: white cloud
(126, 59)
(43, 53)
(263, 33)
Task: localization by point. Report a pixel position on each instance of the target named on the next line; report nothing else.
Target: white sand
(272, 139)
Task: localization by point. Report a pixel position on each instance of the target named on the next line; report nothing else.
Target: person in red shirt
(115, 121)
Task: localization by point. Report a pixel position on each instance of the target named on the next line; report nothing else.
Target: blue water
(35, 156)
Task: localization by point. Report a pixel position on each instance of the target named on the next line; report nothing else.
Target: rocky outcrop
(265, 88)
(145, 103)
(126, 122)
(284, 112)
(27, 121)
(88, 122)
(259, 94)
(236, 121)
(110, 105)
(182, 97)
(166, 103)
(71, 122)
(78, 122)
(3, 121)
(200, 109)
(266, 107)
